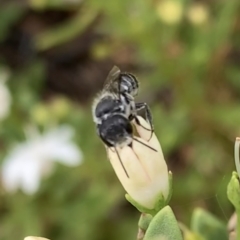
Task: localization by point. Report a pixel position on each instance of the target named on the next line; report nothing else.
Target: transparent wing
(112, 81)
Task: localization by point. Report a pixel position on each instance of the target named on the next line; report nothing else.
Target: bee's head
(128, 84)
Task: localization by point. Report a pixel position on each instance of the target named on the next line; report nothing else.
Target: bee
(115, 108)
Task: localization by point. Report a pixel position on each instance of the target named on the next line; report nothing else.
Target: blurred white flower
(198, 14)
(148, 179)
(35, 238)
(5, 97)
(170, 11)
(28, 162)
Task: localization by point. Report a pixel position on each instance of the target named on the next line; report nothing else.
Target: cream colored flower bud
(170, 11)
(35, 238)
(198, 14)
(147, 170)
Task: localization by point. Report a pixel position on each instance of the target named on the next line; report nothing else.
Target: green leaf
(189, 235)
(144, 221)
(143, 224)
(208, 226)
(164, 226)
(233, 191)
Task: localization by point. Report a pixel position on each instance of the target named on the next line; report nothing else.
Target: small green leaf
(207, 226)
(189, 235)
(144, 221)
(143, 224)
(233, 191)
(164, 226)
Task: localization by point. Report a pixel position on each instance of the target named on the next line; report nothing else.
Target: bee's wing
(111, 83)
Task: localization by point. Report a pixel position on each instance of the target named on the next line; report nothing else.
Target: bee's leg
(148, 115)
(119, 86)
(135, 139)
(121, 162)
(110, 149)
(138, 122)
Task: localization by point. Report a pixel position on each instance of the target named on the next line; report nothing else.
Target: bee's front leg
(148, 115)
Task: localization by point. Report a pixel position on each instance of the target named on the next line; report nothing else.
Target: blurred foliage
(186, 56)
(208, 226)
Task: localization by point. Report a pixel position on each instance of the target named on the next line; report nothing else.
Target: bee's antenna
(144, 144)
(121, 162)
(110, 149)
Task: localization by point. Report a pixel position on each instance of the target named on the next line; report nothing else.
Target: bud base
(160, 203)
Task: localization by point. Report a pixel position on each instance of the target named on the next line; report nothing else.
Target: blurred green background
(56, 54)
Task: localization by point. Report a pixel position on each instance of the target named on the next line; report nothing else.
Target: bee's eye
(124, 88)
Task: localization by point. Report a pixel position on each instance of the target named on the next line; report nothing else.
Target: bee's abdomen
(115, 130)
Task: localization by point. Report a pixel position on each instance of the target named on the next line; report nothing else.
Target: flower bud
(147, 179)
(170, 11)
(198, 14)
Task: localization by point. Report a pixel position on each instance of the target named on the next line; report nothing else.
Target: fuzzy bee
(114, 108)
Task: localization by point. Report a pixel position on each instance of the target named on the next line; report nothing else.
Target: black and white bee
(114, 108)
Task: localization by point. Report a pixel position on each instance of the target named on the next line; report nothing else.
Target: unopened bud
(147, 178)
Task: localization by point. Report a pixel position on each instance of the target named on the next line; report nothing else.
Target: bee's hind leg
(139, 124)
(148, 116)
